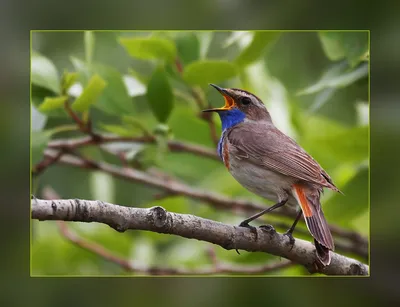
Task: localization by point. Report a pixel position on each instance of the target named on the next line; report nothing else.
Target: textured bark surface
(157, 219)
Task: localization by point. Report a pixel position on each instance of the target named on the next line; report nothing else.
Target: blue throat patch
(229, 119)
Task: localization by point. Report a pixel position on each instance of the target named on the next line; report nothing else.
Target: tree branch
(360, 245)
(157, 219)
(175, 146)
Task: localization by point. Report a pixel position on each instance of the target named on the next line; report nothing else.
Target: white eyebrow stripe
(257, 101)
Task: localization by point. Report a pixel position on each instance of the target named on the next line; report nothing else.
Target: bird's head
(240, 105)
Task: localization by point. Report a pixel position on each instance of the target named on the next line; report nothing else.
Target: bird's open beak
(229, 102)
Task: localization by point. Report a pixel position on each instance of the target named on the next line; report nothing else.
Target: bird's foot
(252, 229)
(291, 238)
(268, 228)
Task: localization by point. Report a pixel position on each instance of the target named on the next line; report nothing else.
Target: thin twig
(174, 146)
(84, 127)
(93, 247)
(46, 162)
(155, 270)
(75, 117)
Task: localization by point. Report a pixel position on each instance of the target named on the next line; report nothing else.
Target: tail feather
(323, 241)
(319, 229)
(322, 253)
(316, 222)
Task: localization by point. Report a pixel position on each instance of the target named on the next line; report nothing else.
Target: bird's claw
(267, 228)
(291, 239)
(252, 229)
(246, 225)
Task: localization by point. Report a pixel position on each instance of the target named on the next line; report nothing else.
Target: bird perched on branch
(270, 164)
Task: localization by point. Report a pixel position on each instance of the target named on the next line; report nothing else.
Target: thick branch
(214, 199)
(159, 220)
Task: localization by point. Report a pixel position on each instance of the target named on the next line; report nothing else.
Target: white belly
(261, 181)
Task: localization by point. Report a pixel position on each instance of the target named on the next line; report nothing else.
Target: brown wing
(269, 147)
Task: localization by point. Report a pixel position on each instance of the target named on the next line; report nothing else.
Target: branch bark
(360, 245)
(157, 219)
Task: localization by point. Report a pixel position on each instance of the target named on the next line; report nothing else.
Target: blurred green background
(19, 17)
(315, 85)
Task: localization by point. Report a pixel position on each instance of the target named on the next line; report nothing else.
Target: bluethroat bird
(270, 164)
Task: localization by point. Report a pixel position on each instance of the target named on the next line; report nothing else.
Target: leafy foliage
(149, 48)
(209, 71)
(352, 46)
(261, 40)
(90, 94)
(159, 95)
(44, 73)
(156, 84)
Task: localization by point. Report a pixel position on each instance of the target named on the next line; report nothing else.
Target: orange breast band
(226, 155)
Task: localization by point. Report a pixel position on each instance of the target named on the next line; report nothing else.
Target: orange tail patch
(301, 198)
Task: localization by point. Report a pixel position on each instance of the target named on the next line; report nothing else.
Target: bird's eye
(245, 100)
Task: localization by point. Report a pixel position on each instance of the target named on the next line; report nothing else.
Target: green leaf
(115, 99)
(52, 103)
(149, 48)
(90, 94)
(188, 46)
(209, 71)
(44, 73)
(352, 46)
(39, 94)
(39, 141)
(337, 77)
(343, 209)
(89, 46)
(68, 79)
(159, 95)
(330, 142)
(257, 47)
(348, 146)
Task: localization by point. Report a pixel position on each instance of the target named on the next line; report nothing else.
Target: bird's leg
(246, 222)
(289, 232)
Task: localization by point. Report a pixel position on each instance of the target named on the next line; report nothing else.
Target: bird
(272, 165)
